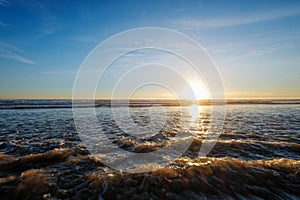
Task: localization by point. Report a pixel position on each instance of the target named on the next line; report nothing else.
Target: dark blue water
(256, 156)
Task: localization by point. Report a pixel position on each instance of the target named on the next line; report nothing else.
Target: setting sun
(195, 90)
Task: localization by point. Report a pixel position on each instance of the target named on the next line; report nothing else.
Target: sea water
(257, 154)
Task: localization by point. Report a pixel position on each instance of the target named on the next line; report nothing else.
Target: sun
(199, 90)
(195, 90)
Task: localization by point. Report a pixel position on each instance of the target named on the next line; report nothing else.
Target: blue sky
(255, 44)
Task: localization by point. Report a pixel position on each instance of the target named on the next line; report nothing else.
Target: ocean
(257, 155)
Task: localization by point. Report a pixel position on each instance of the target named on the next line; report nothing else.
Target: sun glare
(195, 90)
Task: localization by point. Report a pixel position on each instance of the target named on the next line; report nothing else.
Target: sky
(254, 44)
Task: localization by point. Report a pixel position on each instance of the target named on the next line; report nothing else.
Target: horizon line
(204, 99)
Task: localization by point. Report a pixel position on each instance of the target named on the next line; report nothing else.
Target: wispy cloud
(254, 45)
(12, 52)
(192, 23)
(3, 24)
(59, 72)
(256, 52)
(4, 3)
(18, 58)
(50, 23)
(85, 38)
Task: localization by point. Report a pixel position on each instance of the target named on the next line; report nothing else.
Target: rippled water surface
(256, 156)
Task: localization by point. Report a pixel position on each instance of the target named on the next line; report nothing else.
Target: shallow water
(256, 156)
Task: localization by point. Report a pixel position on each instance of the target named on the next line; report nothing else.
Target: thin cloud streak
(18, 58)
(50, 21)
(4, 3)
(85, 39)
(60, 72)
(12, 52)
(254, 45)
(252, 53)
(3, 24)
(233, 21)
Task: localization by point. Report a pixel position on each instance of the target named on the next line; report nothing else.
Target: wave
(247, 149)
(68, 103)
(65, 173)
